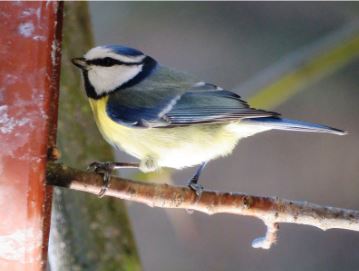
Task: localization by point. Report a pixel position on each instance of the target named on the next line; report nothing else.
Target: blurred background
(231, 44)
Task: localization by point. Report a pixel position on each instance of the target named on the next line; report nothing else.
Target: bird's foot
(196, 187)
(100, 167)
(104, 168)
(193, 183)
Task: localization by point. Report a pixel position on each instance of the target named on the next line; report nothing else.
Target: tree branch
(294, 72)
(270, 210)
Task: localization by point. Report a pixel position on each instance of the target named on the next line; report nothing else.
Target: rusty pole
(29, 78)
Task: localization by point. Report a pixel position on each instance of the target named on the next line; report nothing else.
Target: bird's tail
(294, 125)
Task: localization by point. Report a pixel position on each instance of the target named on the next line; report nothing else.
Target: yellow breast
(169, 147)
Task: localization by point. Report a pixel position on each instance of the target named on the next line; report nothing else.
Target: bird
(168, 118)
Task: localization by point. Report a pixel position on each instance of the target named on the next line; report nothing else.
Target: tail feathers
(295, 125)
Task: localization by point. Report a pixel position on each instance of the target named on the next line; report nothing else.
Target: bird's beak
(80, 62)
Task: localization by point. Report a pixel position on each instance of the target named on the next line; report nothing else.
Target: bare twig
(300, 68)
(270, 210)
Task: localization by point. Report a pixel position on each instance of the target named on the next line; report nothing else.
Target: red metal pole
(29, 78)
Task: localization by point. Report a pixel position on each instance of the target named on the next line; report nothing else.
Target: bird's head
(111, 67)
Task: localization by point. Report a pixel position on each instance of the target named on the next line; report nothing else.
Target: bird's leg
(106, 168)
(193, 183)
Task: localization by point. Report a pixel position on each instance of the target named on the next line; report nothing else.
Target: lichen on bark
(87, 233)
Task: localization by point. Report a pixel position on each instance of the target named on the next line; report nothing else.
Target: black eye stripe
(108, 62)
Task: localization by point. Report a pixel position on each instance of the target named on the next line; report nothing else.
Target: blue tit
(167, 118)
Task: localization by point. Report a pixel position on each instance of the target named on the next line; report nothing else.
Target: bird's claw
(93, 166)
(197, 188)
(104, 168)
(100, 167)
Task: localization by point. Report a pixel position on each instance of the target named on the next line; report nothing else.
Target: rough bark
(86, 233)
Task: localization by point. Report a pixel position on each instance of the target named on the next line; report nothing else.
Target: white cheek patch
(106, 79)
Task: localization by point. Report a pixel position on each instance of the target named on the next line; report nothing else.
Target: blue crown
(123, 50)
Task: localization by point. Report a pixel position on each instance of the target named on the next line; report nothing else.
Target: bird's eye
(107, 61)
(104, 62)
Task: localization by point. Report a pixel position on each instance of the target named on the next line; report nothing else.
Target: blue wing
(139, 115)
(202, 103)
(212, 106)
